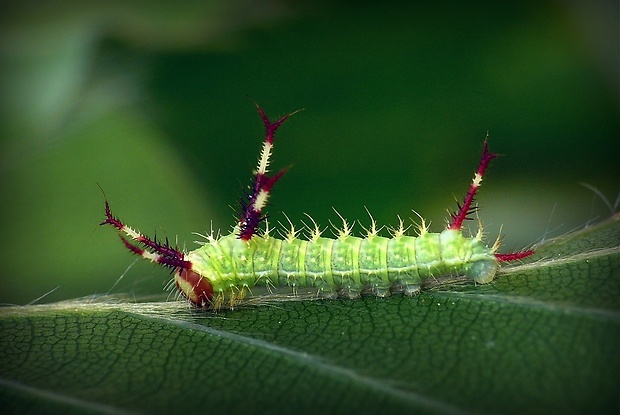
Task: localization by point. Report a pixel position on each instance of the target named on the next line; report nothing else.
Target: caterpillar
(223, 270)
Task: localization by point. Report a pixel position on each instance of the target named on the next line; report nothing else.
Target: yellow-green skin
(346, 266)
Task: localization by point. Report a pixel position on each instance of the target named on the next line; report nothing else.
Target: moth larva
(224, 270)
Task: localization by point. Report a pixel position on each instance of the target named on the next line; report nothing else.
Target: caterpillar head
(196, 288)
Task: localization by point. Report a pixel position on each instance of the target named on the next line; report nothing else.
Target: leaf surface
(543, 337)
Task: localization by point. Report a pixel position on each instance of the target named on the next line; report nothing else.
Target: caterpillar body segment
(223, 271)
(347, 266)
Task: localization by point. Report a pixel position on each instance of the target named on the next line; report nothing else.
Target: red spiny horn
(466, 208)
(251, 215)
(514, 256)
(154, 251)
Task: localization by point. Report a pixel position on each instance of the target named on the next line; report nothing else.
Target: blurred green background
(152, 100)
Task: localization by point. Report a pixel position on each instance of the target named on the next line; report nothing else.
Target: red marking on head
(513, 256)
(466, 209)
(196, 288)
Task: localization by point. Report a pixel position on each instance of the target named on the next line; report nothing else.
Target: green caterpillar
(223, 271)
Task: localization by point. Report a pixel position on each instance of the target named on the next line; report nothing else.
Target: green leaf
(542, 338)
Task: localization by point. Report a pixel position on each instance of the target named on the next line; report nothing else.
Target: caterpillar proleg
(223, 270)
